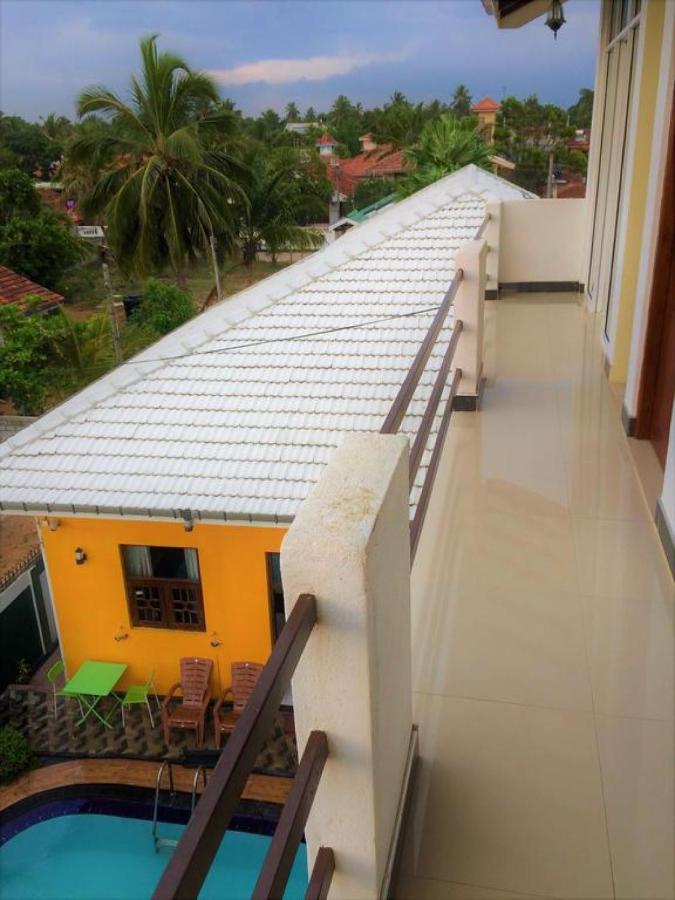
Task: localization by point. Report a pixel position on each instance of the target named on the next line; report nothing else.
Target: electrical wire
(291, 337)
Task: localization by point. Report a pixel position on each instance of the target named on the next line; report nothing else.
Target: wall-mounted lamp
(121, 635)
(555, 18)
(80, 556)
(188, 522)
(215, 640)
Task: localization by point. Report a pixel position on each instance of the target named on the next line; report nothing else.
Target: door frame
(659, 292)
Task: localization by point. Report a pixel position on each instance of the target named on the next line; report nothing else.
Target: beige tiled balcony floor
(542, 618)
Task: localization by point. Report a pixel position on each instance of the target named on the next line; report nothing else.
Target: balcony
(542, 649)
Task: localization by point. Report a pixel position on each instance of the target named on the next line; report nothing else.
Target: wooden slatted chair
(245, 676)
(194, 686)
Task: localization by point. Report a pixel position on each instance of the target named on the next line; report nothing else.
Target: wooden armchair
(194, 686)
(245, 676)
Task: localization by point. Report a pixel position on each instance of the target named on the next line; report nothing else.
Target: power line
(291, 337)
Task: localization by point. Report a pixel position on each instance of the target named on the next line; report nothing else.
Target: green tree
(527, 132)
(345, 122)
(460, 105)
(57, 128)
(581, 112)
(26, 145)
(41, 247)
(369, 190)
(167, 181)
(292, 112)
(47, 358)
(400, 122)
(445, 145)
(276, 201)
(18, 197)
(310, 115)
(164, 307)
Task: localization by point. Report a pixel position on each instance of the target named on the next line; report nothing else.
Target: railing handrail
(434, 399)
(290, 828)
(197, 847)
(402, 400)
(429, 478)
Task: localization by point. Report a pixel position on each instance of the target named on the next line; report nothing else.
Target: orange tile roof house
(487, 104)
(374, 161)
(15, 289)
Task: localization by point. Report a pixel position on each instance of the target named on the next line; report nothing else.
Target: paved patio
(30, 710)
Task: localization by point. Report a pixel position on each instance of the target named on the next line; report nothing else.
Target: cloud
(315, 68)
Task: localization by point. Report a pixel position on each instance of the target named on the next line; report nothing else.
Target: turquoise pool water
(97, 857)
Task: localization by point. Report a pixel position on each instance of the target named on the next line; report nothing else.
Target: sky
(264, 53)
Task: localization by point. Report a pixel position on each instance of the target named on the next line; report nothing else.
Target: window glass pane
(168, 562)
(137, 561)
(161, 562)
(191, 564)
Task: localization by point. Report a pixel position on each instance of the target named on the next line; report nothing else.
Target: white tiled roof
(234, 415)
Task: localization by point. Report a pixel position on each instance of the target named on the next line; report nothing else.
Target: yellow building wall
(91, 604)
(652, 22)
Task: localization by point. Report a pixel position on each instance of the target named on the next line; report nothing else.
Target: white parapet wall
(350, 546)
(541, 241)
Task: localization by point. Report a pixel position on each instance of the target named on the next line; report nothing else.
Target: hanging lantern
(555, 19)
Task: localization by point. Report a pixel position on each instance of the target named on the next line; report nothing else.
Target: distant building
(301, 127)
(326, 144)
(486, 110)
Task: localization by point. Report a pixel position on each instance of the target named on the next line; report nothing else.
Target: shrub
(41, 247)
(164, 307)
(15, 754)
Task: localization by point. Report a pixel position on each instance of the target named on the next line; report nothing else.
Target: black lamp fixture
(555, 18)
(80, 556)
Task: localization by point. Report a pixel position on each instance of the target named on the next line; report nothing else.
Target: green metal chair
(56, 672)
(140, 693)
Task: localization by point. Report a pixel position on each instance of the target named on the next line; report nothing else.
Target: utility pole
(212, 242)
(549, 179)
(110, 302)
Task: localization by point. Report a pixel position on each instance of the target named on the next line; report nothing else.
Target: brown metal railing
(405, 394)
(402, 400)
(194, 854)
(322, 875)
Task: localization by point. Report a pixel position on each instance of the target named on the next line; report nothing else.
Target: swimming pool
(109, 857)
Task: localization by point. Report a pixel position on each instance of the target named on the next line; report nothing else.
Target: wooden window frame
(164, 586)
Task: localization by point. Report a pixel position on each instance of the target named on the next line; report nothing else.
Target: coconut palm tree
(166, 180)
(460, 105)
(445, 145)
(276, 203)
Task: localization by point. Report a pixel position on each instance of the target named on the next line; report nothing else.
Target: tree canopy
(167, 180)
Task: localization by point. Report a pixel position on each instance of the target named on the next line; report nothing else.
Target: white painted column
(349, 546)
(492, 236)
(469, 306)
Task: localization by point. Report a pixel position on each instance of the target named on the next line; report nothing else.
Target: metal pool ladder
(161, 842)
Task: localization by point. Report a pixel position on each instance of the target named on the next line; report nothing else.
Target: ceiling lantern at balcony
(555, 18)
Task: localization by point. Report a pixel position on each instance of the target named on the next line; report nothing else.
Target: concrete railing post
(469, 306)
(349, 546)
(492, 238)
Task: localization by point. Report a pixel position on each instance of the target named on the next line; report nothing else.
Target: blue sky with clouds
(266, 52)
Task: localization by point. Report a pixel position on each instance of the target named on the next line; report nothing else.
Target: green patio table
(91, 683)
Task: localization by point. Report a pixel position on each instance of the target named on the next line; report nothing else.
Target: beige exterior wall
(541, 240)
